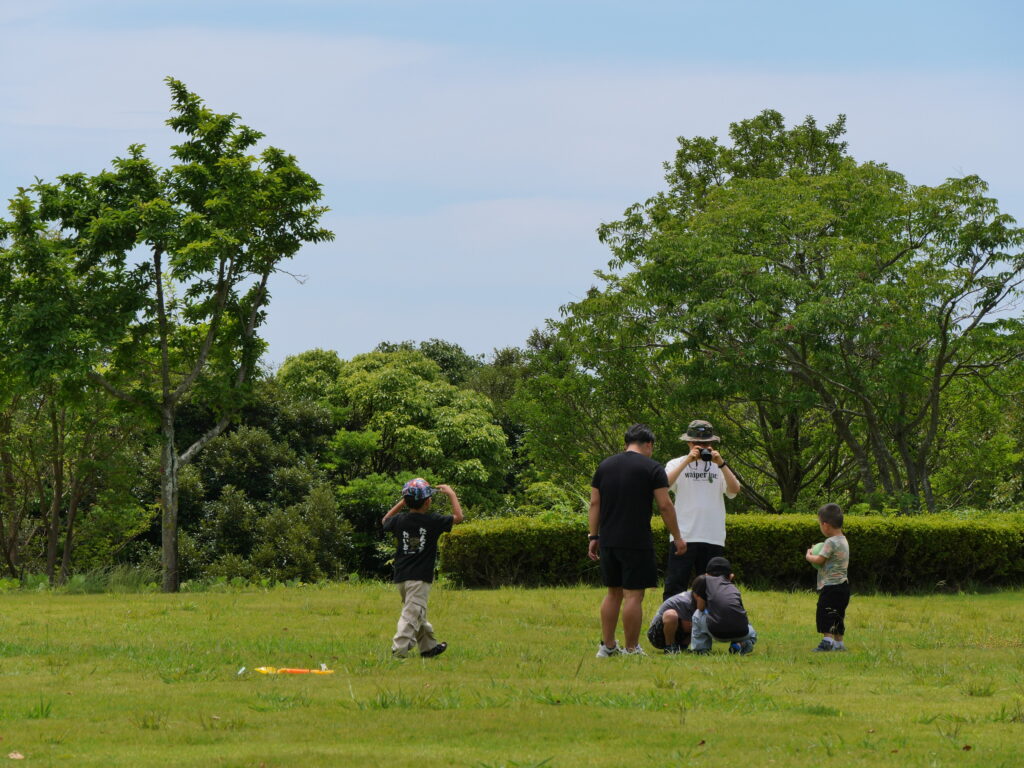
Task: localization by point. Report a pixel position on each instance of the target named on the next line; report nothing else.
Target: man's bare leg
(610, 615)
(632, 615)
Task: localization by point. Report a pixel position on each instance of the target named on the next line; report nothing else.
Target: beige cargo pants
(413, 627)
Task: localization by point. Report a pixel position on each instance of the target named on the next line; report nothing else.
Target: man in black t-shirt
(621, 496)
(416, 533)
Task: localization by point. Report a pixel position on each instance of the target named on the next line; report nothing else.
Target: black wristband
(723, 465)
(593, 537)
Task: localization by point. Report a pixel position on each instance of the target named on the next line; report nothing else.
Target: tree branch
(100, 379)
(211, 333)
(199, 444)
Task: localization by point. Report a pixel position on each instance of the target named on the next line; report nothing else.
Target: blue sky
(469, 149)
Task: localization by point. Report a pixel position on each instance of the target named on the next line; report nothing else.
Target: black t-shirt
(726, 615)
(627, 482)
(417, 534)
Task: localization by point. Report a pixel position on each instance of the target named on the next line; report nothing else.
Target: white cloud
(489, 179)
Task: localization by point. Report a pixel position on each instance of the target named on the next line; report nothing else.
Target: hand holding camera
(704, 452)
(701, 453)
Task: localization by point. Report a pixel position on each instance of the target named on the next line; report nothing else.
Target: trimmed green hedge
(888, 553)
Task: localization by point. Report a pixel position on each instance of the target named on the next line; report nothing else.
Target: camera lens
(705, 454)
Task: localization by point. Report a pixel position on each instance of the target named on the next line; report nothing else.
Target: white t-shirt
(700, 501)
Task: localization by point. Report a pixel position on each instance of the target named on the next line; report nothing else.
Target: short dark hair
(413, 503)
(831, 514)
(639, 433)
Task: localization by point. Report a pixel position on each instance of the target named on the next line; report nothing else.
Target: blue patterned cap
(418, 488)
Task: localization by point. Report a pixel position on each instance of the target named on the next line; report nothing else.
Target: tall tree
(175, 266)
(780, 273)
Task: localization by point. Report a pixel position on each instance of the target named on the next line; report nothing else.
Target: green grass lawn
(152, 680)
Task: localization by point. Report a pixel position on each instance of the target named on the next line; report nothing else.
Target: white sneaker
(604, 652)
(637, 651)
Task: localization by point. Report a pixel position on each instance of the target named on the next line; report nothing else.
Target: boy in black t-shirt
(720, 614)
(416, 533)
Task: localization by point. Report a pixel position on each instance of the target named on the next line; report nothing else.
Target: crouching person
(720, 614)
(670, 627)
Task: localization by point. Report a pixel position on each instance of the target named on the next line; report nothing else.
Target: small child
(671, 625)
(833, 584)
(720, 614)
(417, 532)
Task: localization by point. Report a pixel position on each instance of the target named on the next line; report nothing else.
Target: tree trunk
(929, 495)
(69, 532)
(860, 456)
(8, 500)
(169, 501)
(57, 500)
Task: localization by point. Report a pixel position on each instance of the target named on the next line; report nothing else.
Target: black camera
(705, 453)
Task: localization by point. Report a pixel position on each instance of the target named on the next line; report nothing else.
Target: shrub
(518, 550)
(246, 458)
(307, 541)
(106, 528)
(890, 553)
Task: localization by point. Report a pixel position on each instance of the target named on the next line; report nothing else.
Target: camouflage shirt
(837, 560)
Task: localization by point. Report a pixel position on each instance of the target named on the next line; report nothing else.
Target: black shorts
(629, 568)
(831, 614)
(656, 634)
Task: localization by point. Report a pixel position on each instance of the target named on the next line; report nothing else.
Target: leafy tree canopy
(786, 283)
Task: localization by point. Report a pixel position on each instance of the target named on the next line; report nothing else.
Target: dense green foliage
(832, 319)
(893, 554)
(853, 337)
(149, 284)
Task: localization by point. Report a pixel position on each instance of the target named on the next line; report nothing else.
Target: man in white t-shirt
(700, 480)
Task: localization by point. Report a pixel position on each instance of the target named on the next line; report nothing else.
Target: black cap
(718, 566)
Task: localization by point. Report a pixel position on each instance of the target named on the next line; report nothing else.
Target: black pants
(832, 602)
(695, 558)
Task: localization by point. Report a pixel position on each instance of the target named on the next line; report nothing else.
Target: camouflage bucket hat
(700, 431)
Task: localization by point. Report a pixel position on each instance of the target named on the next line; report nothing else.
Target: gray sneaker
(604, 652)
(637, 651)
(673, 650)
(824, 645)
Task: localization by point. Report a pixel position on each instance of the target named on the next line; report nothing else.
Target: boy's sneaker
(735, 647)
(437, 650)
(637, 651)
(673, 650)
(824, 645)
(604, 652)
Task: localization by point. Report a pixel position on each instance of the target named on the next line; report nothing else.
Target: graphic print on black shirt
(416, 537)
